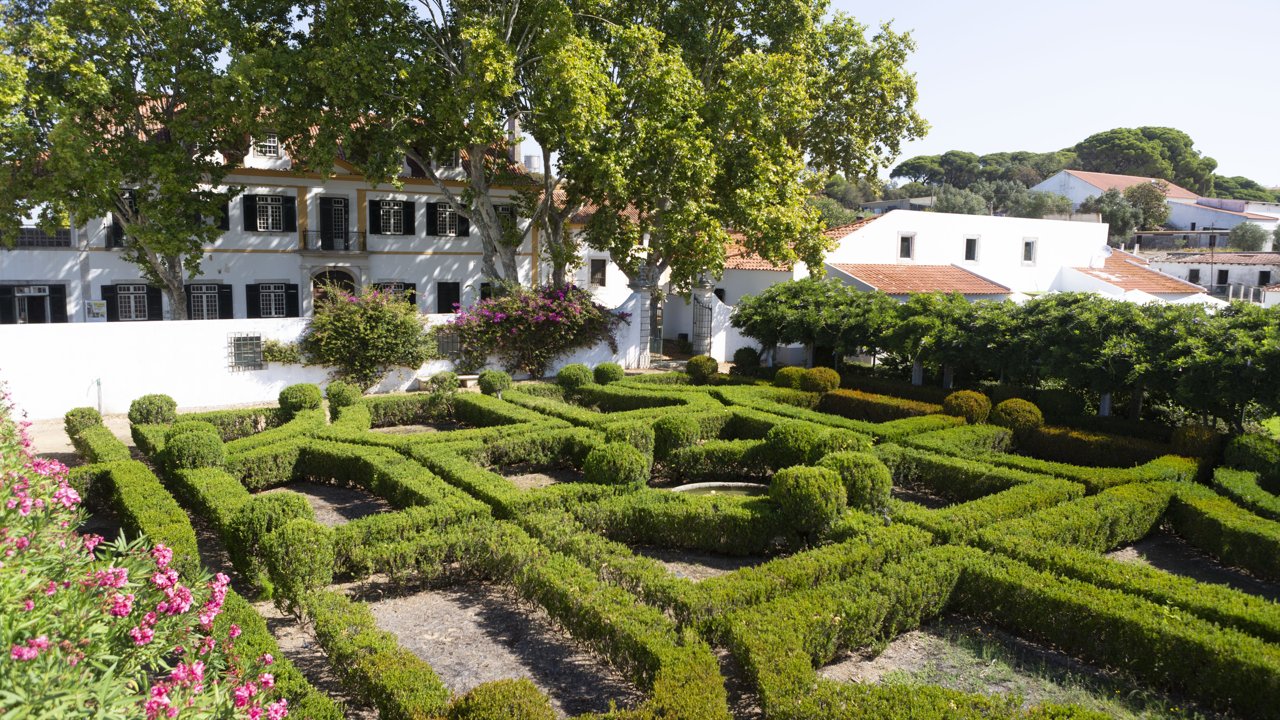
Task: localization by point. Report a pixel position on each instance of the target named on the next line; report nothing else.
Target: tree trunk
(1104, 405)
(1135, 402)
(917, 372)
(948, 377)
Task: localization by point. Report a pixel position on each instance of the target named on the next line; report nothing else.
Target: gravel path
(1166, 551)
(696, 566)
(525, 480)
(417, 429)
(335, 505)
(299, 645)
(920, 496)
(472, 634)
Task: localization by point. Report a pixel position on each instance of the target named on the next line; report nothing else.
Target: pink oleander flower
(67, 496)
(112, 577)
(22, 653)
(244, 693)
(165, 579)
(28, 605)
(268, 680)
(278, 710)
(141, 635)
(266, 659)
(162, 555)
(234, 631)
(92, 541)
(121, 605)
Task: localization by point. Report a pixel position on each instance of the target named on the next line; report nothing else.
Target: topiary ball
(636, 433)
(616, 463)
(672, 432)
(608, 372)
(511, 699)
(701, 368)
(867, 481)
(194, 449)
(341, 394)
(808, 498)
(494, 382)
(153, 410)
(819, 380)
(189, 426)
(303, 396)
(299, 558)
(445, 382)
(574, 376)
(746, 358)
(793, 443)
(788, 377)
(973, 406)
(1020, 416)
(77, 419)
(256, 519)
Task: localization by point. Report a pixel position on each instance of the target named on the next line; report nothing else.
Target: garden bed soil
(523, 477)
(975, 657)
(920, 496)
(473, 633)
(696, 566)
(1164, 550)
(336, 505)
(417, 429)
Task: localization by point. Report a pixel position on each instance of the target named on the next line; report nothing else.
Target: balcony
(336, 241)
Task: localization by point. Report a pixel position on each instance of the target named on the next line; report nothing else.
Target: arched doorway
(338, 278)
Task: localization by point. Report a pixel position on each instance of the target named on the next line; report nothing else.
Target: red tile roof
(911, 279)
(1130, 272)
(840, 231)
(739, 258)
(1107, 181)
(1228, 258)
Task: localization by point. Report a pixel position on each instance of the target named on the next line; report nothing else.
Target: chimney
(513, 138)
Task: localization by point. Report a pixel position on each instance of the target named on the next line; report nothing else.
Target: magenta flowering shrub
(106, 629)
(528, 329)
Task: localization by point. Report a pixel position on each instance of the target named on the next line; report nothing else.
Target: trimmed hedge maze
(870, 516)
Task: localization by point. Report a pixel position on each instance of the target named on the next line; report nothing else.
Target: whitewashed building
(1232, 275)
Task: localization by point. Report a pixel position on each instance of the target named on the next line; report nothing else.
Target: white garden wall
(53, 368)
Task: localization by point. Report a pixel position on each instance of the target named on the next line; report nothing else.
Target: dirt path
(1166, 551)
(696, 566)
(335, 505)
(472, 634)
(523, 478)
(920, 496)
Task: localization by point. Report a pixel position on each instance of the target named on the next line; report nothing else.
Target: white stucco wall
(1209, 272)
(1069, 185)
(1182, 215)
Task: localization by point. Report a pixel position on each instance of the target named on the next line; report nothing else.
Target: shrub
(153, 410)
(444, 382)
(494, 382)
(299, 557)
(672, 432)
(1060, 403)
(255, 520)
(867, 481)
(638, 434)
(801, 443)
(788, 377)
(974, 407)
(1018, 415)
(574, 376)
(608, 372)
(809, 498)
(341, 394)
(511, 699)
(528, 329)
(746, 358)
(819, 380)
(701, 368)
(616, 464)
(194, 449)
(1079, 447)
(78, 419)
(1255, 453)
(364, 336)
(1196, 441)
(191, 426)
(303, 396)
(870, 407)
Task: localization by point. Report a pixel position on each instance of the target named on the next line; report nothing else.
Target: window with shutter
(271, 300)
(391, 217)
(446, 220)
(270, 213)
(202, 302)
(131, 302)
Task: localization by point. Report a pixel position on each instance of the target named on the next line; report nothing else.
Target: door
(339, 279)
(33, 304)
(333, 223)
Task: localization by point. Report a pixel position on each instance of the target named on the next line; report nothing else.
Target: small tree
(1118, 213)
(1151, 203)
(1247, 236)
(961, 202)
(364, 336)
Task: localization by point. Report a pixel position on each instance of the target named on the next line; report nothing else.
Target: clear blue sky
(1002, 75)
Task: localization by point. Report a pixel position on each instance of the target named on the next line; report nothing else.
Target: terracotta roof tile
(739, 258)
(841, 231)
(1228, 258)
(1107, 181)
(1129, 272)
(911, 279)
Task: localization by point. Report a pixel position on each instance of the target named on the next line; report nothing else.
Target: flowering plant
(528, 329)
(105, 629)
(366, 335)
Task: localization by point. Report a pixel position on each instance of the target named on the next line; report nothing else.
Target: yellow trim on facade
(356, 177)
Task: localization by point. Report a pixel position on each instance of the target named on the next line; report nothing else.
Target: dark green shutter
(291, 300)
(113, 305)
(8, 306)
(407, 209)
(186, 290)
(58, 303)
(155, 304)
(224, 219)
(375, 218)
(226, 306)
(432, 224)
(252, 302)
(249, 208)
(464, 227)
(115, 236)
(290, 214)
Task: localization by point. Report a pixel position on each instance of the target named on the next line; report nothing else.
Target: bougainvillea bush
(528, 329)
(106, 629)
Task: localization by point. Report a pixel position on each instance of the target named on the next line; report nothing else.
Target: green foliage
(867, 481)
(788, 377)
(616, 463)
(810, 498)
(746, 358)
(183, 427)
(145, 507)
(1247, 236)
(275, 351)
(701, 368)
(1117, 212)
(153, 410)
(949, 199)
(1020, 416)
(78, 419)
(303, 396)
(494, 382)
(672, 432)
(341, 394)
(636, 433)
(257, 519)
(833, 214)
(1223, 529)
(1089, 449)
(194, 449)
(1197, 441)
(512, 699)
(1151, 204)
(974, 407)
(819, 380)
(800, 443)
(572, 377)
(874, 408)
(299, 558)
(1040, 204)
(364, 336)
(1243, 487)
(607, 372)
(1255, 453)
